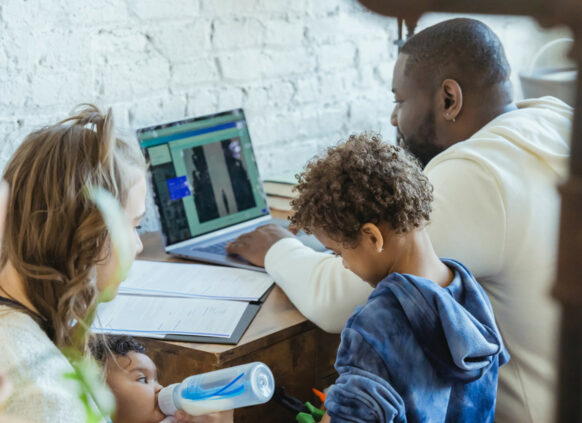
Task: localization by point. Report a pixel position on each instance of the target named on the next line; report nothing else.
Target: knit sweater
(35, 368)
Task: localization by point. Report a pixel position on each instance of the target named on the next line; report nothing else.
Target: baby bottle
(225, 389)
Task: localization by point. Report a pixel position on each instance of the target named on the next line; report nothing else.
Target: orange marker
(319, 394)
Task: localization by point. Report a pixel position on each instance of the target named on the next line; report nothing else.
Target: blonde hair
(54, 235)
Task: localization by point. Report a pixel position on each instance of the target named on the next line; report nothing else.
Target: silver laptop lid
(204, 174)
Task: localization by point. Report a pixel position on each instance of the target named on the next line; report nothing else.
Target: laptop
(206, 186)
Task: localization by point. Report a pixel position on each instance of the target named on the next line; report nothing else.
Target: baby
(133, 378)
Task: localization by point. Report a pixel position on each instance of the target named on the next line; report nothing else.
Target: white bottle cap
(166, 400)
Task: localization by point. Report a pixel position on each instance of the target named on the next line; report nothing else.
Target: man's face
(133, 380)
(413, 114)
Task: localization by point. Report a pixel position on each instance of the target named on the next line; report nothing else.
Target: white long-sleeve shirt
(495, 209)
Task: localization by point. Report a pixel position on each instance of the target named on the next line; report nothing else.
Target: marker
(319, 394)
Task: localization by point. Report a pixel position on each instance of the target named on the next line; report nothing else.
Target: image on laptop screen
(204, 174)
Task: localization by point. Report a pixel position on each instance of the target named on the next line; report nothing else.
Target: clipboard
(121, 311)
(243, 324)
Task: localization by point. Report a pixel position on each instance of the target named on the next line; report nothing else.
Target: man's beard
(422, 143)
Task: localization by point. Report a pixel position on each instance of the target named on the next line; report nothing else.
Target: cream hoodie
(496, 210)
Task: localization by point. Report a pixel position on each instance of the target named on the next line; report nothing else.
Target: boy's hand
(325, 419)
(222, 417)
(254, 245)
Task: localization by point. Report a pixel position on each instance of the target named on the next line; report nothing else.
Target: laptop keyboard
(218, 248)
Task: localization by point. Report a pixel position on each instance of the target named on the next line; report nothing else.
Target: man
(494, 166)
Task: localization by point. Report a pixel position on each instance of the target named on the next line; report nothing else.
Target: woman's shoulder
(11, 316)
(20, 335)
(35, 367)
(45, 403)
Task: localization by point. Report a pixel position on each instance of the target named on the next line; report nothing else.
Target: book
(279, 203)
(281, 186)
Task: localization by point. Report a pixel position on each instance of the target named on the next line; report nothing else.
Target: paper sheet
(156, 317)
(195, 280)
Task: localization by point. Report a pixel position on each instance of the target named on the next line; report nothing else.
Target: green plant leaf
(92, 391)
(116, 222)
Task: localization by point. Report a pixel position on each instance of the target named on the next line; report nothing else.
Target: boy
(425, 346)
(133, 379)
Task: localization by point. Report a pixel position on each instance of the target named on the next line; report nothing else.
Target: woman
(57, 260)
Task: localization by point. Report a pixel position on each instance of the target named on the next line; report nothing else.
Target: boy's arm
(363, 391)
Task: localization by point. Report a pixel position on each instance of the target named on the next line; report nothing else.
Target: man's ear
(372, 237)
(451, 100)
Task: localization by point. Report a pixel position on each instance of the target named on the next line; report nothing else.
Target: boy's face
(134, 382)
(361, 259)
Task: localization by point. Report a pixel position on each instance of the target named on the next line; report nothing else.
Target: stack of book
(279, 190)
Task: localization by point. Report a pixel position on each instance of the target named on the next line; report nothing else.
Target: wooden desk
(300, 355)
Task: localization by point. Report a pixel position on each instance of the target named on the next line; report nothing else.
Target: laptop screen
(204, 174)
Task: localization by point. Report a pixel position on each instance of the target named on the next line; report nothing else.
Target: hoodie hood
(454, 326)
(553, 115)
(540, 127)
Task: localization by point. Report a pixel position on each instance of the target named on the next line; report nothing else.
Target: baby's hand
(222, 417)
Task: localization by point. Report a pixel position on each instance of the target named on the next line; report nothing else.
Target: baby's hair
(54, 235)
(363, 180)
(103, 347)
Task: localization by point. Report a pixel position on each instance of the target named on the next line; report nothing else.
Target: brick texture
(308, 73)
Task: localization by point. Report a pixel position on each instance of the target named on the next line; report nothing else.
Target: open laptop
(206, 186)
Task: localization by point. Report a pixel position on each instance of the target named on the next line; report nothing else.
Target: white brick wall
(307, 72)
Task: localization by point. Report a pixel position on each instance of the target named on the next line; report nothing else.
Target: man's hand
(222, 417)
(254, 245)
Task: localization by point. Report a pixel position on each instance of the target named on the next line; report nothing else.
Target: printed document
(157, 317)
(195, 280)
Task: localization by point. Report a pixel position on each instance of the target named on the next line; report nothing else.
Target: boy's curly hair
(363, 180)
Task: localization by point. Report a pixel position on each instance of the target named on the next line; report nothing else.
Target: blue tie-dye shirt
(417, 352)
